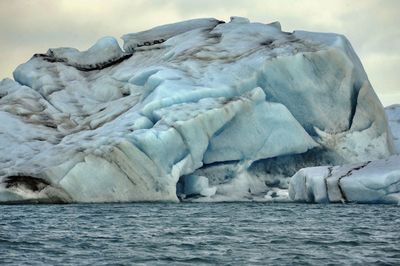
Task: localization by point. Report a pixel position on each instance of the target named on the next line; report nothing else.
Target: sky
(372, 26)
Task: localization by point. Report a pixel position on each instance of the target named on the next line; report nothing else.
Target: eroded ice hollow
(197, 110)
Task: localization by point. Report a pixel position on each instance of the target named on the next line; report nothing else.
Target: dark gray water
(234, 234)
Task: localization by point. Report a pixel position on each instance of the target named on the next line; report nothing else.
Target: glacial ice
(201, 110)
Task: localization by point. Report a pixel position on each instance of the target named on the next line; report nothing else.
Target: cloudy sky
(372, 26)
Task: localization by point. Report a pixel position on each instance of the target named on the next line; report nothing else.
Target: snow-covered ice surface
(201, 110)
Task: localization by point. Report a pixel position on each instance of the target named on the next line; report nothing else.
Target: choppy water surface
(234, 233)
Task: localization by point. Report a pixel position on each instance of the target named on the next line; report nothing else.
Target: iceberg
(199, 110)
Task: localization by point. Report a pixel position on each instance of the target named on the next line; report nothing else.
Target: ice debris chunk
(210, 110)
(369, 182)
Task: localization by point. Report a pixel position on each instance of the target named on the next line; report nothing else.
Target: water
(195, 233)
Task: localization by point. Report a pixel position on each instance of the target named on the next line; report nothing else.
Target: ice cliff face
(200, 109)
(393, 114)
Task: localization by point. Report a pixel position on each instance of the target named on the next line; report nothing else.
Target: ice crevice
(349, 173)
(354, 100)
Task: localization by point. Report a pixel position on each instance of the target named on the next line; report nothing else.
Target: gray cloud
(372, 26)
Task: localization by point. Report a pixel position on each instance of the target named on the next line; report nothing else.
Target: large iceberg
(197, 110)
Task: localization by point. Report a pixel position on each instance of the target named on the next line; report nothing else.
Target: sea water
(199, 233)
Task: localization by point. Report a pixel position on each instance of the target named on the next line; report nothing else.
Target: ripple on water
(196, 233)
